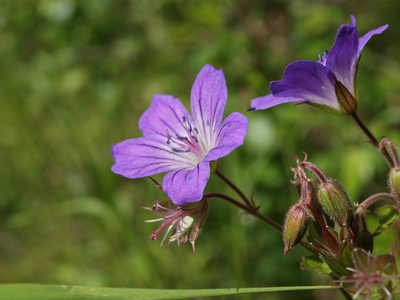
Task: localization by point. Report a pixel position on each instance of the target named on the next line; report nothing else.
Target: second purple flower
(329, 83)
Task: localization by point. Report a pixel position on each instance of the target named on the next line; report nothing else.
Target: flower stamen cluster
(371, 273)
(178, 221)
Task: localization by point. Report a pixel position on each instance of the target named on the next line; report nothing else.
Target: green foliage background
(75, 76)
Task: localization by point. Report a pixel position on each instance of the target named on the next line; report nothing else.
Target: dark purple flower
(329, 83)
(174, 141)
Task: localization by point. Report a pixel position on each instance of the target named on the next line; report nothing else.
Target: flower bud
(348, 103)
(394, 181)
(295, 226)
(334, 201)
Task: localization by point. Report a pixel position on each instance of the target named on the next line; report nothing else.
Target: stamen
(168, 137)
(189, 127)
(188, 142)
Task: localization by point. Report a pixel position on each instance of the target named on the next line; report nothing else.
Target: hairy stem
(377, 197)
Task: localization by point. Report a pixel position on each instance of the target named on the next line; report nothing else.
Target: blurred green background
(75, 76)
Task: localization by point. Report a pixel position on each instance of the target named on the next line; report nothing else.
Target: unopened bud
(334, 201)
(394, 181)
(348, 103)
(295, 226)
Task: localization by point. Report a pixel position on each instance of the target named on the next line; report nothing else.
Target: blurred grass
(75, 78)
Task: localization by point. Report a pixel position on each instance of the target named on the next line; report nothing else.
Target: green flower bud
(394, 181)
(335, 202)
(295, 226)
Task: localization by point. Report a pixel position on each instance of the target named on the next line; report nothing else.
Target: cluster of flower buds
(335, 230)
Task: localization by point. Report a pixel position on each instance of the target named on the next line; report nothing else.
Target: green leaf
(337, 267)
(314, 262)
(388, 214)
(51, 292)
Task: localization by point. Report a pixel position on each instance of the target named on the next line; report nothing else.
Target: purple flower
(329, 83)
(174, 141)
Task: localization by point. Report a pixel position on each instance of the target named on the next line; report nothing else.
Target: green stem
(251, 210)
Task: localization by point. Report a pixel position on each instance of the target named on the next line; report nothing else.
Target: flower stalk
(249, 209)
(373, 140)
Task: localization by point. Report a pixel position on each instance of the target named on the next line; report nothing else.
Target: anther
(189, 127)
(181, 138)
(168, 137)
(180, 150)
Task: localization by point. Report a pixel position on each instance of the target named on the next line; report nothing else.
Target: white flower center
(190, 146)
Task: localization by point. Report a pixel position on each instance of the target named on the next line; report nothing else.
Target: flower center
(190, 142)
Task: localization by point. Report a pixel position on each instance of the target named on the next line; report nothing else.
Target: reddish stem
(373, 140)
(251, 210)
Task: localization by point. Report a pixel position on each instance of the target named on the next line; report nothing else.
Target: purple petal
(343, 55)
(187, 185)
(232, 133)
(208, 99)
(306, 80)
(365, 38)
(269, 100)
(140, 157)
(165, 113)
